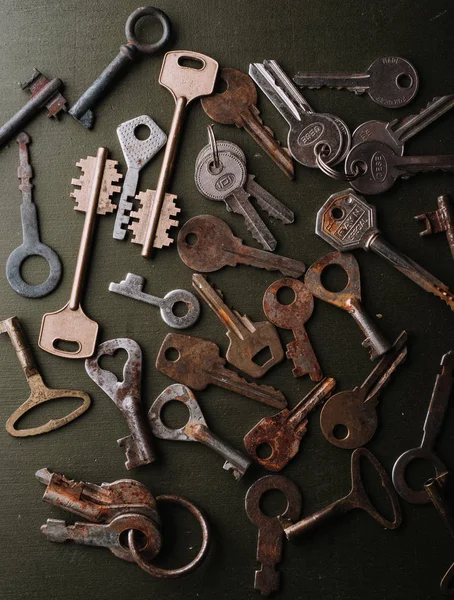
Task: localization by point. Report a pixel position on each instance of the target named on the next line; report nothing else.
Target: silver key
(195, 430)
(132, 287)
(137, 154)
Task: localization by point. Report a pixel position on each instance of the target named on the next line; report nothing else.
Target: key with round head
(206, 244)
(347, 221)
(390, 81)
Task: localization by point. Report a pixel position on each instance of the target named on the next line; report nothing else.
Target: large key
(197, 363)
(206, 244)
(195, 430)
(390, 81)
(294, 316)
(348, 299)
(82, 110)
(237, 106)
(270, 537)
(347, 221)
(281, 434)
(246, 338)
(126, 395)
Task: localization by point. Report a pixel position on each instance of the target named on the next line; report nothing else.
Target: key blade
(239, 203)
(413, 124)
(321, 392)
(275, 94)
(439, 400)
(268, 202)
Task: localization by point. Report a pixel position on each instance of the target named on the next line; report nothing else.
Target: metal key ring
(325, 168)
(13, 270)
(148, 11)
(173, 573)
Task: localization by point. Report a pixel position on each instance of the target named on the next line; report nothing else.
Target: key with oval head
(294, 316)
(348, 299)
(206, 244)
(195, 430)
(355, 410)
(31, 245)
(82, 110)
(438, 405)
(270, 537)
(390, 81)
(281, 434)
(132, 287)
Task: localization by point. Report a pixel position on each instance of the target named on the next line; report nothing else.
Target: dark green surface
(353, 558)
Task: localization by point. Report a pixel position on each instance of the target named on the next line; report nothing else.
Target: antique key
(237, 106)
(281, 434)
(390, 81)
(293, 316)
(126, 395)
(349, 299)
(347, 221)
(270, 537)
(39, 392)
(247, 339)
(196, 362)
(195, 430)
(70, 323)
(31, 245)
(349, 419)
(206, 244)
(440, 220)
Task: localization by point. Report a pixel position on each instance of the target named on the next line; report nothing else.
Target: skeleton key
(349, 299)
(196, 363)
(293, 316)
(247, 339)
(440, 220)
(282, 433)
(126, 395)
(32, 245)
(237, 106)
(434, 419)
(355, 410)
(271, 536)
(195, 430)
(390, 81)
(347, 221)
(137, 153)
(206, 244)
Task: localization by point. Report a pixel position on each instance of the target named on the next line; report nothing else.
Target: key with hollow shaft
(347, 221)
(282, 433)
(440, 220)
(294, 316)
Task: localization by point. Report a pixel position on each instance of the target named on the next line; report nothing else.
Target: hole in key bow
(174, 414)
(142, 132)
(190, 63)
(374, 489)
(191, 239)
(417, 472)
(66, 346)
(180, 309)
(34, 270)
(273, 503)
(172, 354)
(262, 356)
(337, 213)
(285, 295)
(148, 30)
(114, 363)
(334, 278)
(264, 450)
(139, 537)
(340, 432)
(404, 81)
(41, 414)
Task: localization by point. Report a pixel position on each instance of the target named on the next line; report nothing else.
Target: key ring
(325, 168)
(148, 11)
(214, 147)
(158, 572)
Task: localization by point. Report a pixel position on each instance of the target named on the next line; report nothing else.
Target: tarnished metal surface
(440, 221)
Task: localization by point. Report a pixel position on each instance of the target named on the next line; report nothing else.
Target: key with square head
(347, 221)
(282, 433)
(237, 106)
(294, 316)
(390, 81)
(246, 338)
(206, 244)
(270, 536)
(440, 220)
(349, 419)
(196, 362)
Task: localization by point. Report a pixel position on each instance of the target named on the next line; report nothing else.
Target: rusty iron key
(440, 221)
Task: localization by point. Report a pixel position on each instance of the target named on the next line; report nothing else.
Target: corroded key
(440, 220)
(294, 316)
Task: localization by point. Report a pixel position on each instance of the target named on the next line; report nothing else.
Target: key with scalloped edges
(139, 219)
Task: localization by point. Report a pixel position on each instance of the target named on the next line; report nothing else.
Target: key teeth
(108, 187)
(138, 227)
(372, 352)
(231, 469)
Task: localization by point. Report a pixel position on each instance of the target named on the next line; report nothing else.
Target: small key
(294, 316)
(206, 244)
(196, 363)
(426, 451)
(440, 221)
(347, 221)
(281, 434)
(132, 287)
(246, 338)
(237, 106)
(349, 299)
(126, 395)
(357, 498)
(390, 81)
(270, 537)
(349, 419)
(195, 430)
(137, 153)
(82, 110)
(31, 245)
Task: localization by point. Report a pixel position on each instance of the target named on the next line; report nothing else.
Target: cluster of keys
(123, 516)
